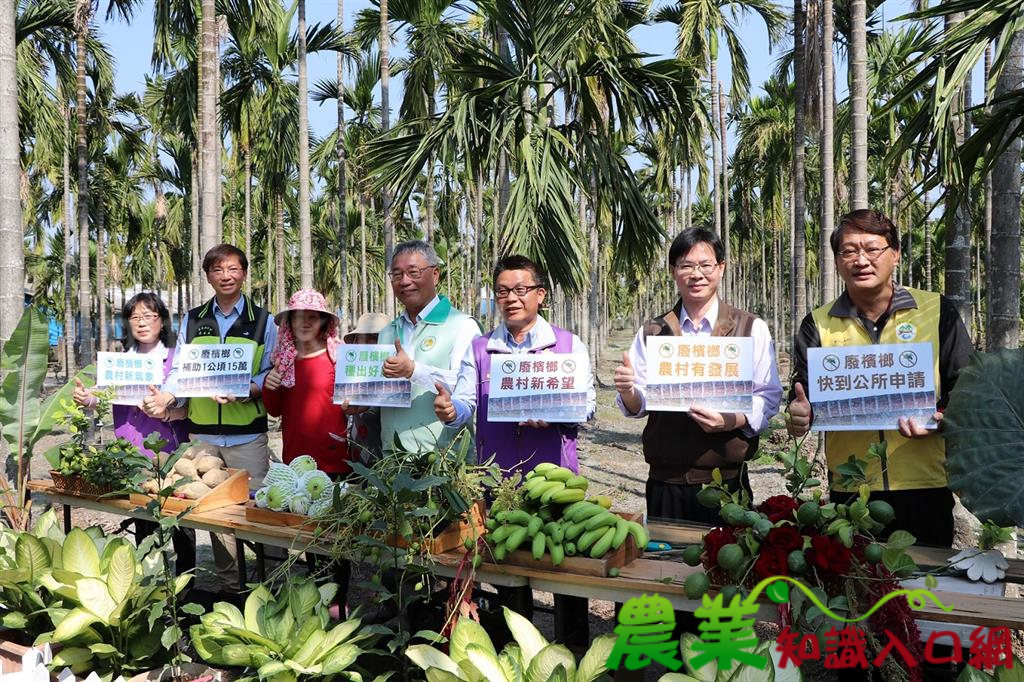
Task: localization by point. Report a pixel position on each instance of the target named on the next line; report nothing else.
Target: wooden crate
(235, 490)
(270, 517)
(470, 526)
(583, 565)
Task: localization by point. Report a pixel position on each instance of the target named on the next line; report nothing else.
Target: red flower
(770, 562)
(778, 507)
(714, 541)
(785, 539)
(828, 555)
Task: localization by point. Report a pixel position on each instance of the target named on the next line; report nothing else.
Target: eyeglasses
(871, 253)
(519, 291)
(689, 268)
(148, 319)
(412, 273)
(226, 271)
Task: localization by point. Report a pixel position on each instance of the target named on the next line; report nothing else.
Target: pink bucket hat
(285, 352)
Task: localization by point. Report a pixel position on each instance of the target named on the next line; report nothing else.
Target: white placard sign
(130, 373)
(358, 377)
(214, 369)
(544, 386)
(710, 372)
(867, 388)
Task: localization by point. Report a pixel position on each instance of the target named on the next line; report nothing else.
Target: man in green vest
(430, 338)
(874, 309)
(234, 429)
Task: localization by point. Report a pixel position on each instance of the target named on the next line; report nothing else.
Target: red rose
(828, 555)
(785, 539)
(778, 507)
(714, 541)
(770, 562)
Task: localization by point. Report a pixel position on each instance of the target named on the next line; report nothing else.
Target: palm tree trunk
(101, 271)
(593, 307)
(385, 125)
(828, 190)
(196, 290)
(279, 288)
(305, 234)
(957, 212)
(247, 191)
(927, 254)
(799, 208)
(715, 150)
(362, 254)
(687, 218)
(84, 293)
(727, 280)
(208, 134)
(859, 104)
(342, 187)
(987, 322)
(1004, 300)
(428, 183)
(69, 238)
(12, 236)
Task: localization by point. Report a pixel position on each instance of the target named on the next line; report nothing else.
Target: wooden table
(643, 576)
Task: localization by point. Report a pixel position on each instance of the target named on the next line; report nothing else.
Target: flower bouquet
(830, 549)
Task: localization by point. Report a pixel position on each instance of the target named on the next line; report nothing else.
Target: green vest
(206, 415)
(417, 426)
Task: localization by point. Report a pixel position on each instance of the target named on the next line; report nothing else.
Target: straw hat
(305, 299)
(368, 323)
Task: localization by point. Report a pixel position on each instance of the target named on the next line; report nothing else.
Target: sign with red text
(858, 388)
(359, 378)
(550, 387)
(130, 373)
(710, 372)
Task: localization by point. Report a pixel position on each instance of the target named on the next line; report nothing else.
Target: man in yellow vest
(874, 309)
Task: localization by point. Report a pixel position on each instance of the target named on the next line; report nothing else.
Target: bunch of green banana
(551, 483)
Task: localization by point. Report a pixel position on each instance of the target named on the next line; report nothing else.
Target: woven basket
(76, 485)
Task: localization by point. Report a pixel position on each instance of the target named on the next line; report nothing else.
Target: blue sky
(131, 46)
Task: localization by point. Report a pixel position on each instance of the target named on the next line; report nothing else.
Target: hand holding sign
(444, 409)
(799, 420)
(156, 403)
(399, 365)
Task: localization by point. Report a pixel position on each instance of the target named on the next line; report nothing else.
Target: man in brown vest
(683, 448)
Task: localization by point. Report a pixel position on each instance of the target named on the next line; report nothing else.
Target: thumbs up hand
(157, 403)
(82, 395)
(444, 409)
(798, 421)
(624, 376)
(272, 381)
(399, 365)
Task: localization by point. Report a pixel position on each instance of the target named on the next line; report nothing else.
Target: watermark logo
(647, 623)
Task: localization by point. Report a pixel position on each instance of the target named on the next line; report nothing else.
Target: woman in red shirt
(300, 387)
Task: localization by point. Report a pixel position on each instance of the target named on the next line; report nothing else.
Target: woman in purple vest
(148, 332)
(519, 287)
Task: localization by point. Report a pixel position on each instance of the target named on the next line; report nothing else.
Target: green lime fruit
(613, 572)
(730, 556)
(881, 511)
(728, 592)
(468, 543)
(691, 555)
(873, 552)
(733, 514)
(808, 513)
(696, 585)
(762, 527)
(365, 517)
(796, 561)
(751, 517)
(709, 497)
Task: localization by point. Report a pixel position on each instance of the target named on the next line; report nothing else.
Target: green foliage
(472, 656)
(284, 636)
(983, 429)
(991, 534)
(25, 559)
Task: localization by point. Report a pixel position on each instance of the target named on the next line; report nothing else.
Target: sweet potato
(208, 463)
(214, 477)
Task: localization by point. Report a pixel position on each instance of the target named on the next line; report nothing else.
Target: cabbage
(299, 504)
(278, 496)
(280, 473)
(303, 464)
(313, 484)
(261, 498)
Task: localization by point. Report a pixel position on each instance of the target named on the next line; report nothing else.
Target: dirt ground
(610, 457)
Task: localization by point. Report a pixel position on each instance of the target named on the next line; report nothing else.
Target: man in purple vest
(519, 287)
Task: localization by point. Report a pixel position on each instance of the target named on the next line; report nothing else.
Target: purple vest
(134, 425)
(516, 447)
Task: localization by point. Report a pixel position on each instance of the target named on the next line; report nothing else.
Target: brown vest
(675, 446)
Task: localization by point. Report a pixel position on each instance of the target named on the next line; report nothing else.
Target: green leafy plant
(709, 672)
(284, 636)
(26, 558)
(112, 616)
(472, 657)
(992, 534)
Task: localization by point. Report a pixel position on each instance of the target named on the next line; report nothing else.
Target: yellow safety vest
(909, 462)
